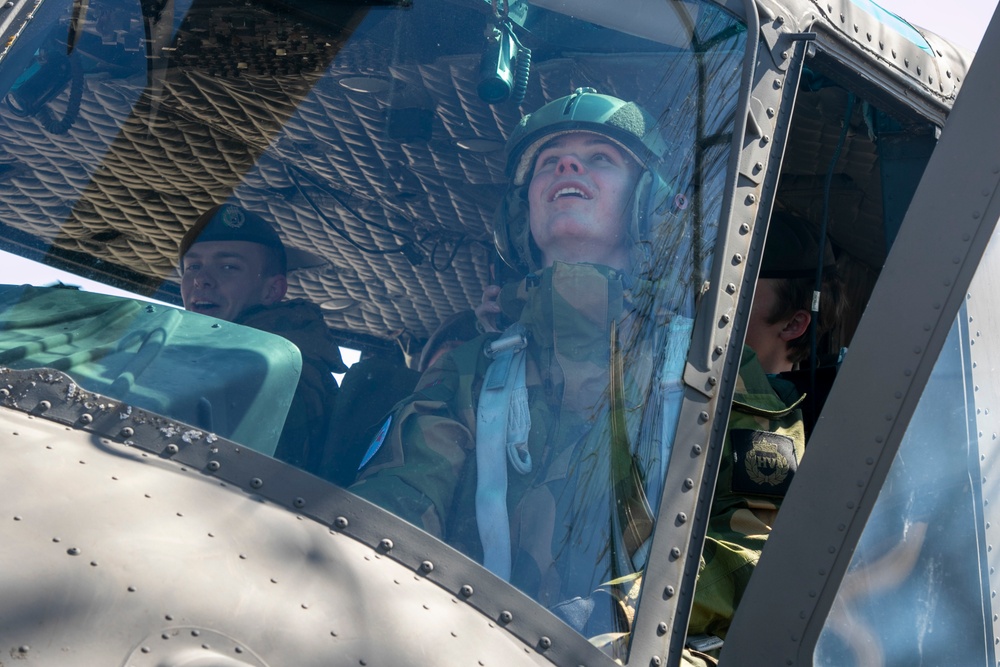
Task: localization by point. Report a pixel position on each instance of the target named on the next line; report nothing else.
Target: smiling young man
(233, 267)
(509, 449)
(224, 278)
(578, 194)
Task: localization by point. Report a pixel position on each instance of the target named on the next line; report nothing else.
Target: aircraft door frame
(942, 240)
(767, 99)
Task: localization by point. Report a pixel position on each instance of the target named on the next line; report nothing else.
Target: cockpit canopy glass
(385, 144)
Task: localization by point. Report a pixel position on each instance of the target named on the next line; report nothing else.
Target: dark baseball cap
(792, 248)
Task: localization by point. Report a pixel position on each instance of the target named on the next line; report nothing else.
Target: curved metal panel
(127, 544)
(922, 58)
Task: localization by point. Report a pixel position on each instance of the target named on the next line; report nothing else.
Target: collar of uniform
(301, 322)
(571, 281)
(756, 394)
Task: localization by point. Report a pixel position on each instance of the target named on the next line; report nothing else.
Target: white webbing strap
(672, 381)
(502, 425)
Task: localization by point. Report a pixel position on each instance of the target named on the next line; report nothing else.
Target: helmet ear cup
(512, 232)
(639, 226)
(654, 202)
(659, 217)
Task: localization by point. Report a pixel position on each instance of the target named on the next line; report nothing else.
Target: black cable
(522, 69)
(403, 249)
(60, 126)
(451, 258)
(824, 223)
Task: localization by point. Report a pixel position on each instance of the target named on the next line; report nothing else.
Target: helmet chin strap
(512, 233)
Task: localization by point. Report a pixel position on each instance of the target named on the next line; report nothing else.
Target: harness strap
(672, 380)
(502, 425)
(634, 514)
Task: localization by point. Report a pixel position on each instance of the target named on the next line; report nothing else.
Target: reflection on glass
(913, 593)
(371, 138)
(543, 457)
(221, 380)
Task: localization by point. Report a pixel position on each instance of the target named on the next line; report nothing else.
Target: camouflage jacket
(304, 435)
(560, 510)
(764, 444)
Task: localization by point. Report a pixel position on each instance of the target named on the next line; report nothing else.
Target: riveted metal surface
(139, 539)
(914, 78)
(934, 69)
(176, 645)
(707, 359)
(939, 247)
(983, 307)
(214, 469)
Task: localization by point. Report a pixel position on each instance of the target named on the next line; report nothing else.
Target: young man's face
(224, 278)
(578, 200)
(770, 337)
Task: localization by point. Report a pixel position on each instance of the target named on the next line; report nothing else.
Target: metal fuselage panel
(113, 556)
(920, 291)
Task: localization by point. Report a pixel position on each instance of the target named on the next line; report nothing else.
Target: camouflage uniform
(305, 433)
(764, 445)
(560, 511)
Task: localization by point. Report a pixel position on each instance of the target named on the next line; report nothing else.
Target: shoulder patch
(763, 462)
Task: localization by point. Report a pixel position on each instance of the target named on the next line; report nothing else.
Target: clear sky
(961, 21)
(16, 270)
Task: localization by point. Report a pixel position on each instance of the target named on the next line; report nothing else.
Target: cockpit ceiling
(854, 201)
(352, 177)
(384, 167)
(375, 157)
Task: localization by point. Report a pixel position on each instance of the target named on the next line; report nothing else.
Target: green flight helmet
(625, 123)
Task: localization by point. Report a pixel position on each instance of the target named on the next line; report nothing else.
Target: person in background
(233, 267)
(766, 437)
